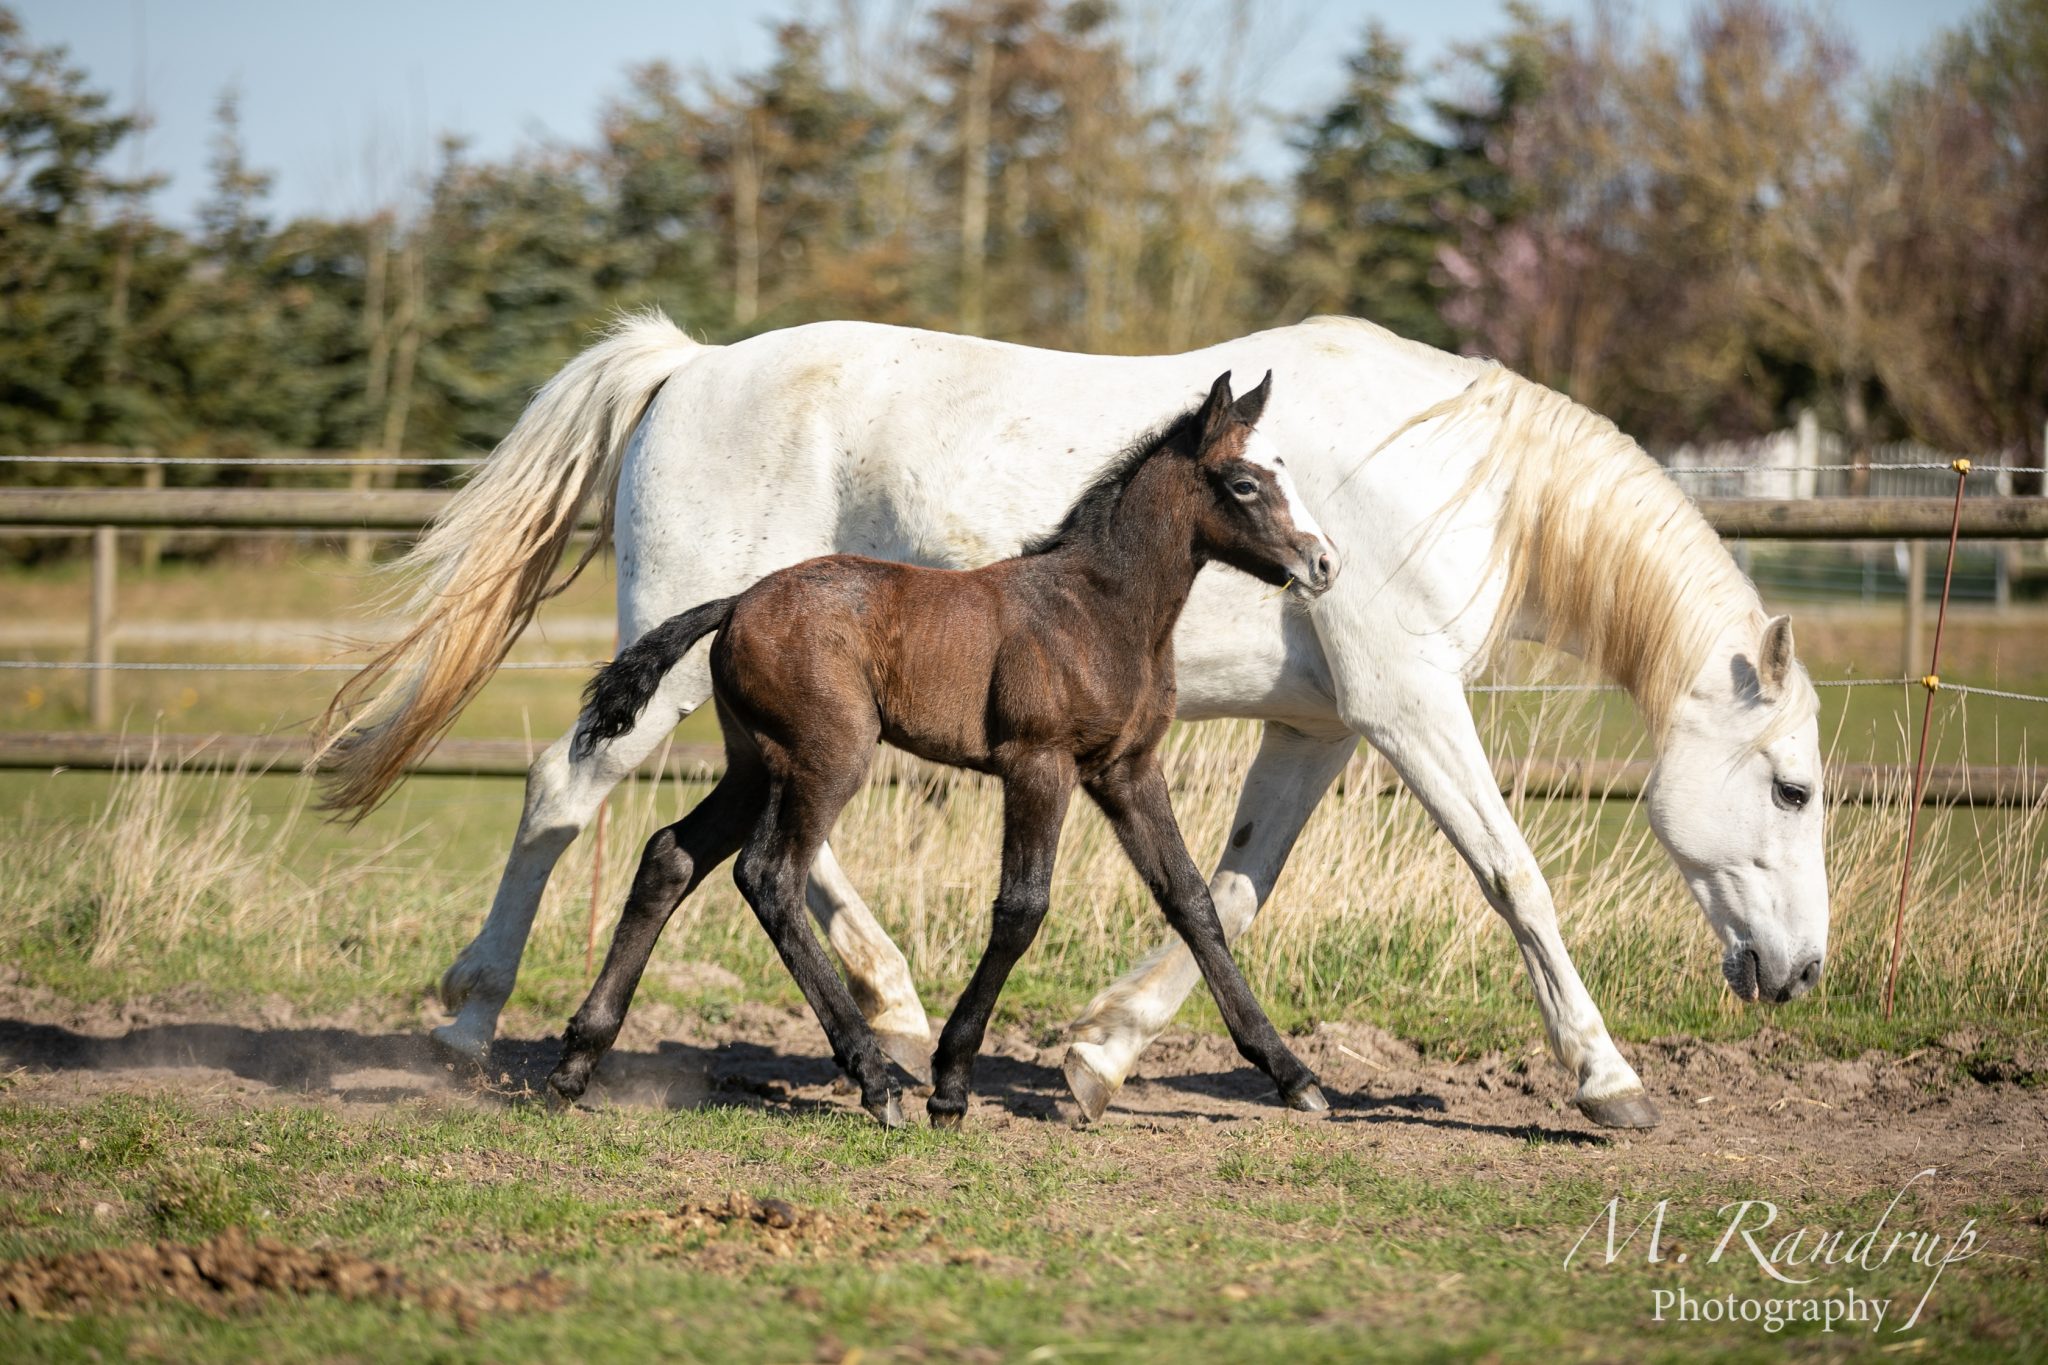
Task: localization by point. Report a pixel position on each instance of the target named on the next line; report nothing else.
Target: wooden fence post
(99, 643)
(1806, 454)
(359, 541)
(150, 543)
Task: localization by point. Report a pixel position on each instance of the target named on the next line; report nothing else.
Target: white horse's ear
(1215, 413)
(1774, 655)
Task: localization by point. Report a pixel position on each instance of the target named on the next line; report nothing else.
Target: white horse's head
(1736, 800)
(1599, 552)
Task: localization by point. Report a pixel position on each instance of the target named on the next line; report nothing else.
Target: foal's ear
(1215, 415)
(1774, 655)
(1249, 408)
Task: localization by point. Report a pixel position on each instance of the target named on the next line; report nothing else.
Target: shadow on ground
(776, 1074)
(348, 1064)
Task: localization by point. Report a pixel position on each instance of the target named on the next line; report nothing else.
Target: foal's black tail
(614, 698)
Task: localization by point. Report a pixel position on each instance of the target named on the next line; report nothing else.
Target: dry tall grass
(1376, 917)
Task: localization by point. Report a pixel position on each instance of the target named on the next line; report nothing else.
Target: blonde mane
(1600, 545)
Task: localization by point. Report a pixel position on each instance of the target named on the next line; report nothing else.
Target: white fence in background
(1806, 462)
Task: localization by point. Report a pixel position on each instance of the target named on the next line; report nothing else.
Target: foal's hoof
(910, 1052)
(889, 1112)
(562, 1094)
(1630, 1110)
(947, 1120)
(1090, 1090)
(1309, 1100)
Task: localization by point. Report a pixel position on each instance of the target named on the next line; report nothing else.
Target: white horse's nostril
(1804, 980)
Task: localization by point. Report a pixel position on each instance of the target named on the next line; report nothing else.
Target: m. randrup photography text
(1819, 1266)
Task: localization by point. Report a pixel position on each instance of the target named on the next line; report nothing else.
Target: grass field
(217, 921)
(1268, 1240)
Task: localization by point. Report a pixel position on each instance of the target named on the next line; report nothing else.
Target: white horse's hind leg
(562, 794)
(1436, 750)
(1287, 779)
(876, 974)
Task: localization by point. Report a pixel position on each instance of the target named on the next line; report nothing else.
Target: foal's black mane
(1088, 519)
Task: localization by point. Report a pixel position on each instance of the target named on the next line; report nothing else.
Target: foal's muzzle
(1317, 569)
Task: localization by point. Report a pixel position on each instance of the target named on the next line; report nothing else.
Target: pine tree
(79, 261)
(1370, 210)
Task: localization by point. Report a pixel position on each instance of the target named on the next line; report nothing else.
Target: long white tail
(488, 561)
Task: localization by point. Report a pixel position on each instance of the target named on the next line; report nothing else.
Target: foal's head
(1254, 519)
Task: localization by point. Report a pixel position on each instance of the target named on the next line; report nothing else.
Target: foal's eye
(1790, 795)
(1245, 488)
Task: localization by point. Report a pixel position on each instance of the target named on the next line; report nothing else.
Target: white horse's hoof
(1630, 1109)
(1091, 1090)
(460, 1045)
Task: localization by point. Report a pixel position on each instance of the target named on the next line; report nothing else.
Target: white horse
(1471, 506)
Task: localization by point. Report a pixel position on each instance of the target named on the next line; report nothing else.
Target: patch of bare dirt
(232, 1272)
(739, 1230)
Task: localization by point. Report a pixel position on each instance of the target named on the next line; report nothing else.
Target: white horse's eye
(1790, 795)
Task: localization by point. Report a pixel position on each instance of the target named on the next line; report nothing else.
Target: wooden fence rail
(342, 509)
(1576, 779)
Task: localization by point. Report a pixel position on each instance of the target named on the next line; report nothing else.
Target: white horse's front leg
(1437, 752)
(1290, 774)
(876, 974)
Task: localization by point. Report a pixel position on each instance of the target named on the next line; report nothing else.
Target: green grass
(1283, 1242)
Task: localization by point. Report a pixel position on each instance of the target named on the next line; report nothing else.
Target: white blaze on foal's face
(1260, 451)
(1319, 557)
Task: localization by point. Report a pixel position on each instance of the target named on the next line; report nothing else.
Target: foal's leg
(771, 871)
(1292, 771)
(1134, 797)
(675, 861)
(1035, 797)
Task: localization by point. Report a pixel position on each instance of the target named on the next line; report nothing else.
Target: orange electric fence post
(1932, 683)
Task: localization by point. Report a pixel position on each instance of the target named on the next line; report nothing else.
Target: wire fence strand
(193, 666)
(462, 461)
(565, 665)
(1943, 466)
(253, 461)
(1972, 690)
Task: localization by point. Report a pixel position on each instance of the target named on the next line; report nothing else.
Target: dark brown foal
(1047, 670)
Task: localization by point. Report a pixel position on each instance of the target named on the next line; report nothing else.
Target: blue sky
(343, 103)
